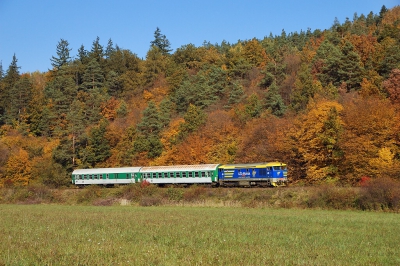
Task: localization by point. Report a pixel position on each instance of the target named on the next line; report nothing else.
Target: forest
(326, 102)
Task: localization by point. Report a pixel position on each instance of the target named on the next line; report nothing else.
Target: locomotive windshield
(280, 167)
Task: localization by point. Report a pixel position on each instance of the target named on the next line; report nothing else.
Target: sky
(31, 29)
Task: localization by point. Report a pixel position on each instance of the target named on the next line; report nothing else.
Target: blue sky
(32, 29)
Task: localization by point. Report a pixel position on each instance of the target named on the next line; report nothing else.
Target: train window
(107, 176)
(183, 174)
(203, 174)
(190, 174)
(196, 174)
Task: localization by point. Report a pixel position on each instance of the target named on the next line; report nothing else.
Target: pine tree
(151, 122)
(236, 94)
(98, 149)
(97, 50)
(1, 70)
(93, 78)
(8, 84)
(82, 55)
(194, 118)
(274, 101)
(148, 139)
(350, 70)
(19, 98)
(62, 53)
(109, 49)
(161, 41)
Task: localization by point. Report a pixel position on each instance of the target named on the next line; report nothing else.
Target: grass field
(133, 235)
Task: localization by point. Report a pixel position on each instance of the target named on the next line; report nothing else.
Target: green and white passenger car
(106, 176)
(181, 174)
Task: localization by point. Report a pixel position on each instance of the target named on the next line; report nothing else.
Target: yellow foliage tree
(314, 140)
(18, 168)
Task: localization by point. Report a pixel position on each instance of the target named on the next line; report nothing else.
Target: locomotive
(271, 174)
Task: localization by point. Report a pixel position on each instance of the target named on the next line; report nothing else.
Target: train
(268, 174)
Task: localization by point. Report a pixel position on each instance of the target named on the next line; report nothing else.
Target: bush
(380, 194)
(174, 194)
(194, 193)
(332, 197)
(150, 201)
(89, 194)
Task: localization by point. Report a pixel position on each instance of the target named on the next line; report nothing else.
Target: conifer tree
(97, 50)
(98, 149)
(82, 54)
(93, 78)
(8, 84)
(161, 41)
(350, 70)
(274, 101)
(109, 49)
(62, 55)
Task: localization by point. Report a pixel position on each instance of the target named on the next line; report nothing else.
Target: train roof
(106, 170)
(180, 168)
(252, 165)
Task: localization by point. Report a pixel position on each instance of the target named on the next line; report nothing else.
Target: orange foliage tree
(369, 139)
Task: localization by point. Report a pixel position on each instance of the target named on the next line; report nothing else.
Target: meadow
(54, 234)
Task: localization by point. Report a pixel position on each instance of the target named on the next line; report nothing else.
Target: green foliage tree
(327, 63)
(201, 90)
(93, 77)
(161, 41)
(8, 84)
(98, 148)
(19, 99)
(253, 106)
(350, 70)
(148, 131)
(194, 118)
(274, 101)
(97, 51)
(62, 54)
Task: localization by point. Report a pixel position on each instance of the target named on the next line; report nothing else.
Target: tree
(392, 86)
(8, 84)
(93, 78)
(97, 51)
(161, 41)
(62, 55)
(82, 54)
(19, 98)
(1, 70)
(274, 101)
(194, 118)
(98, 149)
(370, 127)
(109, 49)
(148, 130)
(350, 70)
(327, 63)
(151, 122)
(315, 141)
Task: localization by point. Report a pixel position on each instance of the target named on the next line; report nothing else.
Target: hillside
(326, 102)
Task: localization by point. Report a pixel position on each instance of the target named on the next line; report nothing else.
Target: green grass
(128, 235)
